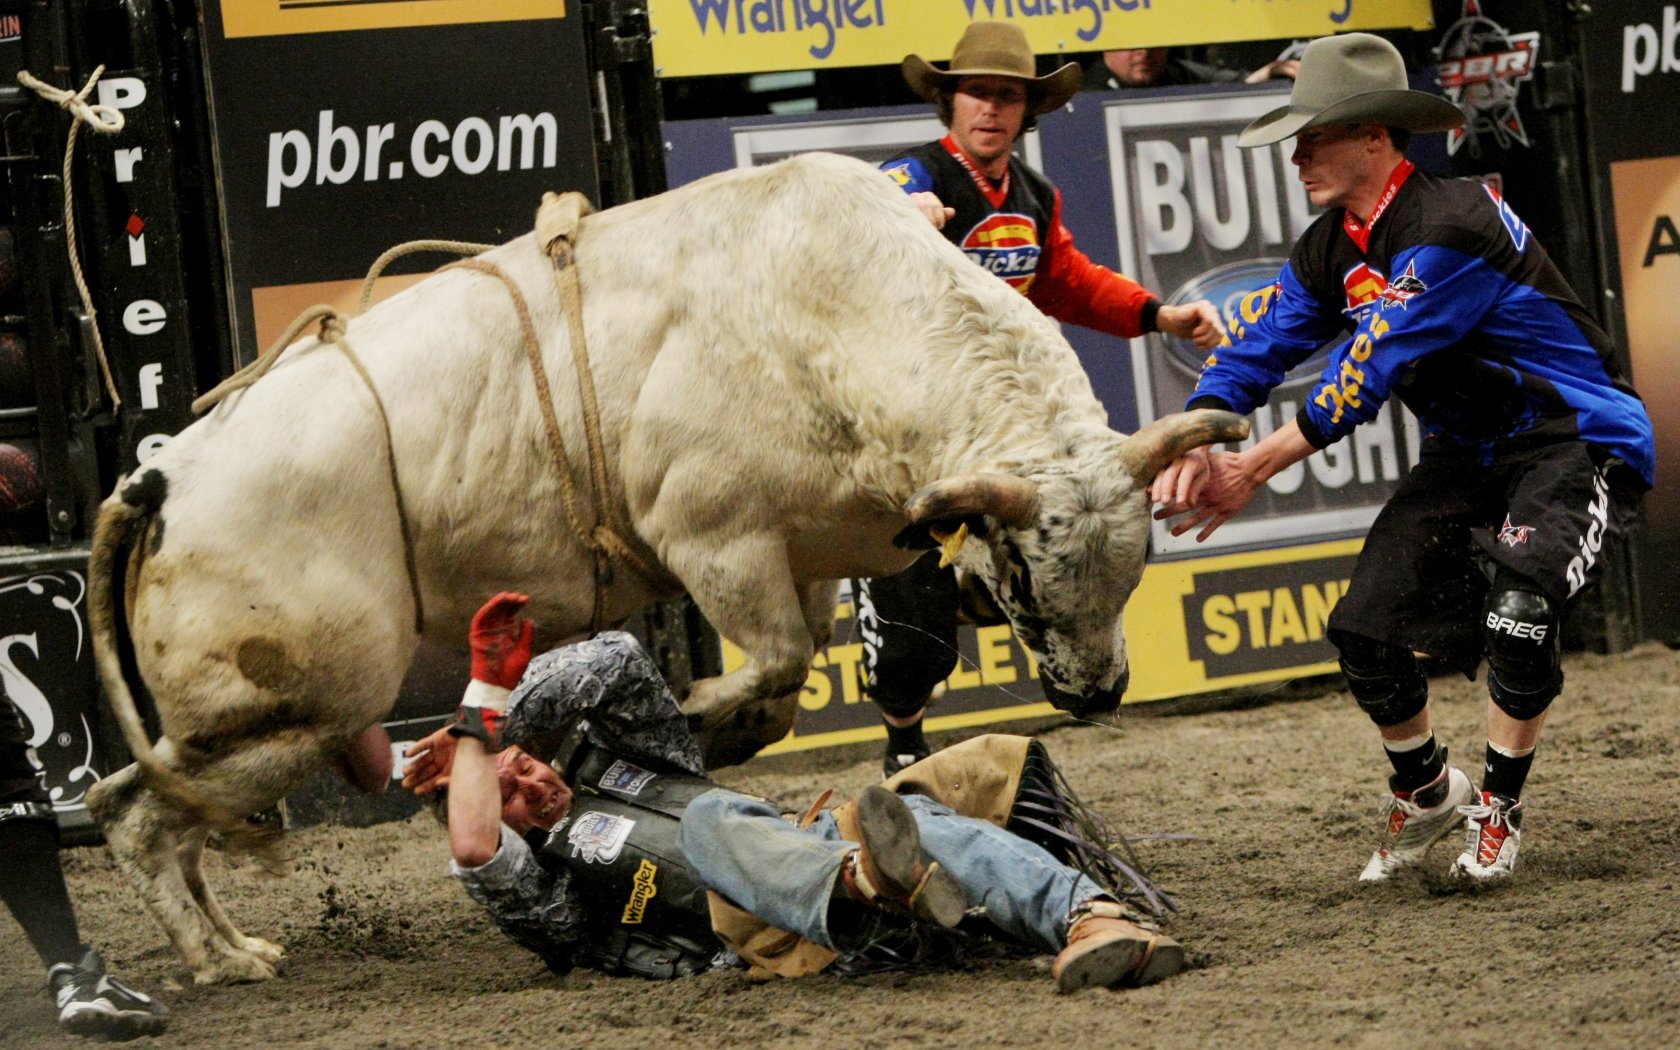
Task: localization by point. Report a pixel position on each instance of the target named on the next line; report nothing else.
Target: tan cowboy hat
(1355, 78)
(998, 49)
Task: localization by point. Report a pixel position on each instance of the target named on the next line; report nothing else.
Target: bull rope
(332, 333)
(557, 221)
(604, 538)
(107, 120)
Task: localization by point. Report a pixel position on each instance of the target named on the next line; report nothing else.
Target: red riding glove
(501, 648)
(500, 640)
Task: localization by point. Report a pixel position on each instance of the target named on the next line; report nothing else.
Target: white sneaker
(1490, 845)
(1416, 820)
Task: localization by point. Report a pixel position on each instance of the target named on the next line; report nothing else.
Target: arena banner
(244, 18)
(1632, 88)
(46, 663)
(706, 37)
(1193, 626)
(333, 146)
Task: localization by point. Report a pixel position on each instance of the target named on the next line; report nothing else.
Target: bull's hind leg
(191, 856)
(144, 836)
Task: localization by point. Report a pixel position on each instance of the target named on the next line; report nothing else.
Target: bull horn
(1158, 444)
(1010, 499)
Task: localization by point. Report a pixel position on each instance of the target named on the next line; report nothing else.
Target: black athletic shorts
(1546, 514)
(22, 779)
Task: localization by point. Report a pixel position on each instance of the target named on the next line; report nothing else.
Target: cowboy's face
(533, 795)
(1136, 67)
(986, 116)
(1336, 162)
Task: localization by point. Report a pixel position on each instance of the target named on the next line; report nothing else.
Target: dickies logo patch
(1005, 245)
(1363, 286)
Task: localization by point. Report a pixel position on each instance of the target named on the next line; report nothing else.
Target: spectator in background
(1143, 67)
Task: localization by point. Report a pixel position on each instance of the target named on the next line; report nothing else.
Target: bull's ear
(926, 535)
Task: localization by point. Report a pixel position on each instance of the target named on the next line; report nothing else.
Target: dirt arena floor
(1258, 818)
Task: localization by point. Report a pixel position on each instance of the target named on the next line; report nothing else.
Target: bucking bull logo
(1366, 286)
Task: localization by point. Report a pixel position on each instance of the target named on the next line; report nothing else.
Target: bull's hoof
(267, 951)
(732, 738)
(235, 968)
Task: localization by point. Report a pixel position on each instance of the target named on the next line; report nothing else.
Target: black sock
(1505, 775)
(32, 885)
(906, 740)
(1417, 767)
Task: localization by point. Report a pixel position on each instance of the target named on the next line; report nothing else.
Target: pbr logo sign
(1481, 68)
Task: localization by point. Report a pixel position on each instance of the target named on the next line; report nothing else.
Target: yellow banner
(289, 17)
(704, 37)
(1194, 626)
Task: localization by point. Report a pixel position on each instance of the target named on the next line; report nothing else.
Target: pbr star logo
(1403, 289)
(1481, 68)
(1006, 245)
(1511, 535)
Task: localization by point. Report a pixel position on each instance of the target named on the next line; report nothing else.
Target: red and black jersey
(1014, 230)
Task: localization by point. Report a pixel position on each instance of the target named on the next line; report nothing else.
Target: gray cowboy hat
(997, 49)
(1355, 78)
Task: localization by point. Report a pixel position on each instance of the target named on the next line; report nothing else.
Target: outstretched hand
(1202, 488)
(501, 640)
(431, 759)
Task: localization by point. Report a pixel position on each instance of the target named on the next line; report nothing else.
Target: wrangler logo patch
(642, 890)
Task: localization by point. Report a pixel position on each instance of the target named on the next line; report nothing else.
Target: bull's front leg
(746, 591)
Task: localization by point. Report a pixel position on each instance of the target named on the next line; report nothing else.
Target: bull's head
(1063, 549)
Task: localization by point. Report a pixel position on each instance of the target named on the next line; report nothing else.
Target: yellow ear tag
(949, 543)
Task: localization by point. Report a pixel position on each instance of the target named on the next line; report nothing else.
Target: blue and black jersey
(1451, 306)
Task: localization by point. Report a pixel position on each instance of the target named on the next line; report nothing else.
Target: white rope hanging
(107, 120)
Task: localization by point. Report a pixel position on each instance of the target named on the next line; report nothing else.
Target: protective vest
(1005, 233)
(619, 847)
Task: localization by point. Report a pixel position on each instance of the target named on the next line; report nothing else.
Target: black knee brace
(1384, 679)
(1521, 632)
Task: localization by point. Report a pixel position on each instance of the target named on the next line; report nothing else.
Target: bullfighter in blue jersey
(1535, 447)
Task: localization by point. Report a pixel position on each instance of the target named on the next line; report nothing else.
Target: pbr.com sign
(1198, 218)
(343, 129)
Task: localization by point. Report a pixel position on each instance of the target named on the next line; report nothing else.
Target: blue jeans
(742, 848)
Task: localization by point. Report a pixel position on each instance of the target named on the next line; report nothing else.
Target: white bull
(792, 369)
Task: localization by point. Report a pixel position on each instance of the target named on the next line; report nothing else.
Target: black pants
(1546, 514)
(909, 628)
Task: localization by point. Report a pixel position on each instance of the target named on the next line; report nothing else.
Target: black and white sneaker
(897, 762)
(92, 1003)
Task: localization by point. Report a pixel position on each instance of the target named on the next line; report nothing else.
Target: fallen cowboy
(635, 862)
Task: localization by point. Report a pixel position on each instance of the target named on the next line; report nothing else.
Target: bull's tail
(118, 536)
